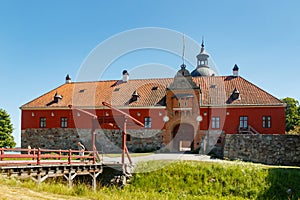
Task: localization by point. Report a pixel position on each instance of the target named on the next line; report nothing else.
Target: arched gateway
(183, 137)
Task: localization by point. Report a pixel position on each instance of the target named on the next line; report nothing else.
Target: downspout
(208, 125)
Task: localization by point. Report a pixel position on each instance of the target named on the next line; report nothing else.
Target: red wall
(229, 118)
(228, 122)
(84, 121)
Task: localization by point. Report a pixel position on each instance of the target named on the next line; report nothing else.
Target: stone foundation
(267, 149)
(107, 141)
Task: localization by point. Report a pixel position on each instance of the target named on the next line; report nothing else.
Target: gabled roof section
(216, 90)
(92, 94)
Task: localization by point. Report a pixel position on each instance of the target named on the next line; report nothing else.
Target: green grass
(189, 180)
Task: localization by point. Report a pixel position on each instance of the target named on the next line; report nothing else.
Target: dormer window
(135, 97)
(57, 98)
(235, 94)
(155, 88)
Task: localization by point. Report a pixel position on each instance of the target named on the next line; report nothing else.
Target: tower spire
(183, 48)
(202, 45)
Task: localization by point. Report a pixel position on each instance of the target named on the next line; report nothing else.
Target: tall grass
(189, 180)
(194, 179)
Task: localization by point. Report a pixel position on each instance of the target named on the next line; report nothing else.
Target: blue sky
(42, 41)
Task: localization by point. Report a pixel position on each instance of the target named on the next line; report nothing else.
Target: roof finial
(202, 45)
(183, 48)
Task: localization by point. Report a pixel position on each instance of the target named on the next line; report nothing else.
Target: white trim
(182, 108)
(154, 107)
(242, 105)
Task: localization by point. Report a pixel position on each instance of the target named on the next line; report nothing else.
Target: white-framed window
(215, 122)
(266, 121)
(147, 122)
(42, 122)
(63, 122)
(243, 121)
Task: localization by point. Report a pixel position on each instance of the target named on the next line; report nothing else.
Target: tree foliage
(292, 114)
(6, 129)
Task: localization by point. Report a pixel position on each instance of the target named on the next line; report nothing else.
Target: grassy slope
(191, 180)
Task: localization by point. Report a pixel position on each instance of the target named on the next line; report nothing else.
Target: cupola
(183, 72)
(203, 68)
(202, 57)
(183, 80)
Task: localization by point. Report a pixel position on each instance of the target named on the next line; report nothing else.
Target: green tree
(292, 114)
(6, 129)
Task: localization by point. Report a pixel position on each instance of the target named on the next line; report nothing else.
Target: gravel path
(20, 193)
(162, 156)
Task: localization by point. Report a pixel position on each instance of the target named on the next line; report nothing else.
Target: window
(215, 122)
(147, 123)
(42, 122)
(243, 122)
(185, 103)
(128, 138)
(266, 121)
(63, 122)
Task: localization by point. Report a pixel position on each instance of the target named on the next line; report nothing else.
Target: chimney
(125, 76)
(68, 79)
(235, 70)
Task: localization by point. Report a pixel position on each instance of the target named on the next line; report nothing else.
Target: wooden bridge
(40, 164)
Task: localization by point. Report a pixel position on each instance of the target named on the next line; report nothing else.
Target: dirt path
(19, 193)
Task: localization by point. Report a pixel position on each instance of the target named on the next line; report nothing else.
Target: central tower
(203, 68)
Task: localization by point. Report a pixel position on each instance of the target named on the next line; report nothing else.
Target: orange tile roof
(215, 91)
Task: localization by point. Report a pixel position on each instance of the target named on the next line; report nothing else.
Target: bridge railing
(19, 156)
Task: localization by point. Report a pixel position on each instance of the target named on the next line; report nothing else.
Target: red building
(190, 111)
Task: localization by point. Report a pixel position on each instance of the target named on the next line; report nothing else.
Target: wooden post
(94, 176)
(94, 126)
(124, 141)
(33, 157)
(59, 155)
(94, 157)
(128, 155)
(2, 153)
(38, 160)
(70, 178)
(69, 156)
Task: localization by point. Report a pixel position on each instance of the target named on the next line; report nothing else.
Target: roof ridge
(74, 82)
